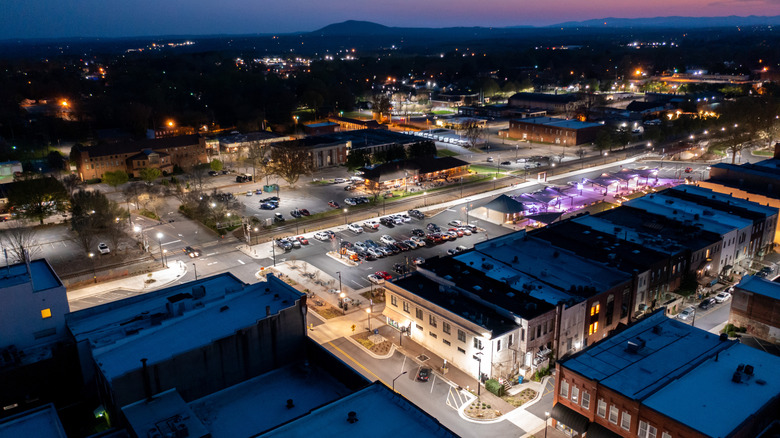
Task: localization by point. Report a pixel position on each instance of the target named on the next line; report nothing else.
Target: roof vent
(761, 382)
(290, 404)
(223, 308)
(737, 377)
(635, 345)
(657, 329)
(352, 417)
(724, 337)
(749, 370)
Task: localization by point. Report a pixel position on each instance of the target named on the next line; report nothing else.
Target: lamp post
(396, 377)
(255, 229)
(273, 250)
(425, 199)
(546, 417)
(94, 274)
(341, 251)
(368, 311)
(138, 229)
(195, 267)
(159, 240)
(478, 358)
(341, 294)
(165, 257)
(461, 186)
(345, 216)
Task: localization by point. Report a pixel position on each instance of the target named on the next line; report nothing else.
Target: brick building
(755, 305)
(133, 156)
(662, 378)
(554, 130)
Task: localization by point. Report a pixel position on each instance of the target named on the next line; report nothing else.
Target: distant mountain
(354, 27)
(674, 22)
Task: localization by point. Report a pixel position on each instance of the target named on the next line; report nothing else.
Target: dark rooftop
(542, 97)
(414, 166)
(125, 147)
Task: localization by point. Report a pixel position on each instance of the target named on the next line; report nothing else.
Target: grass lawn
(480, 168)
(764, 153)
(445, 153)
(442, 112)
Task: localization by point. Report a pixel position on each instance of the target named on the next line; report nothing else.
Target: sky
(118, 18)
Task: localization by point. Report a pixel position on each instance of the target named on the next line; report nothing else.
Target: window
(445, 327)
(564, 389)
(666, 435)
(432, 320)
(602, 408)
(498, 345)
(446, 342)
(625, 421)
(478, 343)
(511, 340)
(594, 309)
(46, 313)
(575, 394)
(406, 306)
(433, 335)
(419, 327)
(461, 336)
(462, 350)
(394, 300)
(585, 400)
(418, 313)
(613, 414)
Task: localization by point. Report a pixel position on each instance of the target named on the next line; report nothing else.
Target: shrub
(93, 181)
(493, 386)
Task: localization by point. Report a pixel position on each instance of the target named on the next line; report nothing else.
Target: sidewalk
(136, 283)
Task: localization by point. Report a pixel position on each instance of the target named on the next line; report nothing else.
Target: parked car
(268, 206)
(402, 246)
(387, 222)
(339, 180)
(373, 278)
(284, 244)
(707, 303)
(433, 228)
(295, 242)
(249, 193)
(361, 200)
(457, 231)
(424, 374)
(350, 201)
(411, 244)
(213, 173)
(103, 248)
(304, 212)
(383, 274)
(417, 214)
(355, 228)
(455, 223)
(333, 204)
(418, 260)
(386, 239)
(686, 314)
(278, 217)
(295, 213)
(418, 232)
(400, 268)
(722, 297)
(375, 252)
(322, 235)
(371, 224)
(688, 169)
(192, 252)
(505, 163)
(466, 231)
(349, 188)
(303, 240)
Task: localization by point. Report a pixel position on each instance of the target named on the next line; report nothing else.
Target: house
(662, 378)
(554, 130)
(754, 305)
(404, 173)
(184, 151)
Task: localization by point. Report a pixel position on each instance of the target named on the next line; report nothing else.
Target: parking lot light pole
(425, 199)
(478, 358)
(546, 417)
(345, 216)
(368, 311)
(94, 274)
(396, 378)
(273, 250)
(195, 267)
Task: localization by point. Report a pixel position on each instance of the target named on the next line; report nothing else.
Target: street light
(396, 377)
(94, 274)
(368, 311)
(425, 199)
(196, 271)
(159, 240)
(345, 216)
(478, 358)
(546, 417)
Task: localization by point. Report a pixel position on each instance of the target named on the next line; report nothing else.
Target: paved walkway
(135, 283)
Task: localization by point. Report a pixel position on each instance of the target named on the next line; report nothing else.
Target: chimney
(147, 380)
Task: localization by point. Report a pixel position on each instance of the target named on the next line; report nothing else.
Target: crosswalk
(457, 398)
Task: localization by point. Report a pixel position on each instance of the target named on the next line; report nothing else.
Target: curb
(371, 353)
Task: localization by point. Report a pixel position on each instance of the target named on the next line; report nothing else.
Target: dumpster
(270, 188)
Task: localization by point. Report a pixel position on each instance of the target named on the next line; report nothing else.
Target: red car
(333, 204)
(303, 240)
(383, 274)
(456, 231)
(304, 211)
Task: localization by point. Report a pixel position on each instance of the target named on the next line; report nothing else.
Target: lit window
(595, 327)
(46, 313)
(575, 394)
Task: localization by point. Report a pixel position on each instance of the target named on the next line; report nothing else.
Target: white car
(386, 239)
(455, 223)
(404, 217)
(375, 279)
(355, 228)
(103, 248)
(418, 260)
(360, 245)
(466, 231)
(339, 180)
(722, 297)
(249, 193)
(371, 224)
(321, 235)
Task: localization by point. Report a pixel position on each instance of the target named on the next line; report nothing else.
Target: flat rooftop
(465, 307)
(721, 201)
(544, 262)
(40, 275)
(185, 321)
(260, 404)
(41, 422)
(558, 123)
(671, 349)
(379, 413)
(680, 210)
(760, 286)
(693, 398)
(166, 412)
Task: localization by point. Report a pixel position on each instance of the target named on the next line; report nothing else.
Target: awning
(546, 218)
(576, 421)
(596, 430)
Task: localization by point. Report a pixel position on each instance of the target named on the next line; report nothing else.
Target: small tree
(17, 239)
(422, 149)
(473, 132)
(115, 178)
(291, 161)
(150, 174)
(216, 165)
(198, 175)
(356, 159)
(71, 182)
(38, 198)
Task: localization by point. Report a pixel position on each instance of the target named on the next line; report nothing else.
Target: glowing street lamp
(159, 240)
